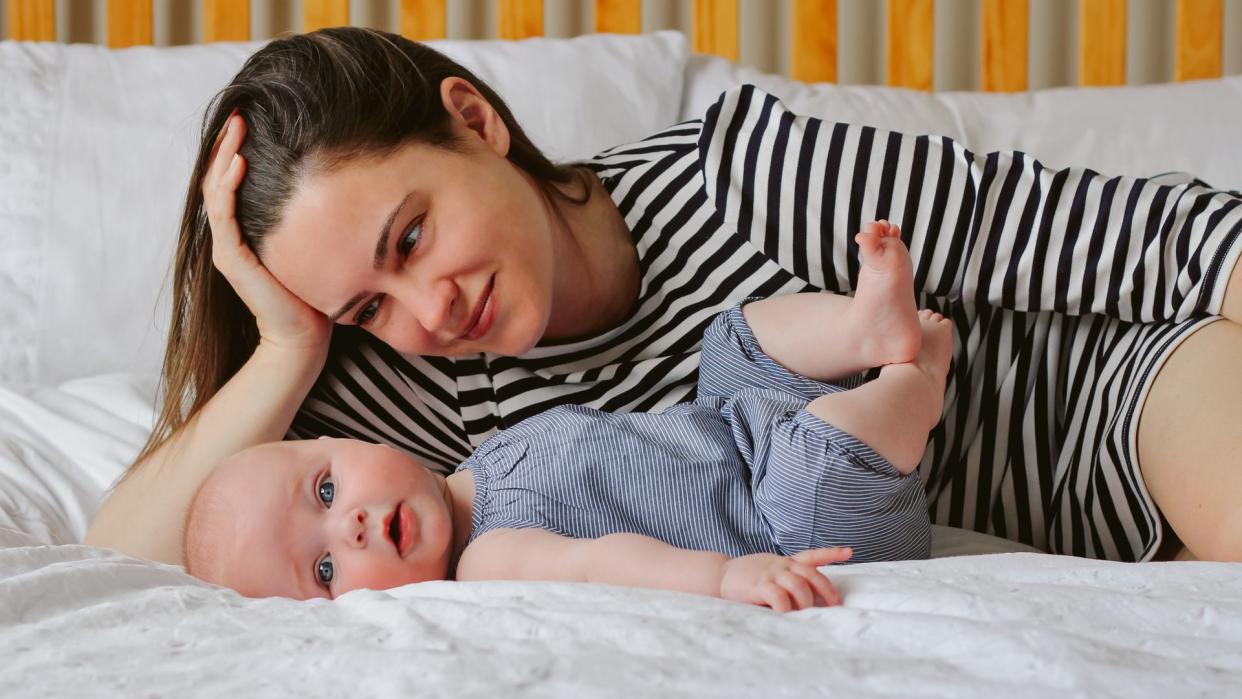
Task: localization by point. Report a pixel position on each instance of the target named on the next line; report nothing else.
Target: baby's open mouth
(394, 527)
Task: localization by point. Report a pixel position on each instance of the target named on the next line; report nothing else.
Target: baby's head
(318, 518)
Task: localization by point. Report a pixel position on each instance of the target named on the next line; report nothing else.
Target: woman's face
(434, 251)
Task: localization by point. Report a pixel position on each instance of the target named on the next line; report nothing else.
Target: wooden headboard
(813, 30)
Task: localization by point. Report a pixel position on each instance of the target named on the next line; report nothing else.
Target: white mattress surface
(1012, 625)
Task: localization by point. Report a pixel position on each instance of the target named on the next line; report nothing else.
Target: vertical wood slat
(32, 20)
(619, 16)
(715, 27)
(129, 23)
(1200, 25)
(814, 39)
(1101, 42)
(317, 14)
(520, 19)
(423, 20)
(1005, 26)
(226, 20)
(910, 44)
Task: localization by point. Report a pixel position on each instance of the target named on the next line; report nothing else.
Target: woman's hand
(783, 583)
(284, 320)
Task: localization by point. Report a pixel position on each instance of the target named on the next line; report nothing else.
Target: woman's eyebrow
(381, 255)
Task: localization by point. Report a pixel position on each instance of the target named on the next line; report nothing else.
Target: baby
(741, 494)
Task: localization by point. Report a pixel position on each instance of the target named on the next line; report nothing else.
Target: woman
(362, 180)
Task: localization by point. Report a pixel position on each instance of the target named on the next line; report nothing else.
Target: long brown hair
(309, 100)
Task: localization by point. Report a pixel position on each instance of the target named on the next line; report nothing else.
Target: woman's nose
(432, 307)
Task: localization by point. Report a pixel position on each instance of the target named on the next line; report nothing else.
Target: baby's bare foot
(934, 356)
(884, 300)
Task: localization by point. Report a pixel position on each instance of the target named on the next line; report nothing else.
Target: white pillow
(60, 449)
(96, 147)
(1139, 131)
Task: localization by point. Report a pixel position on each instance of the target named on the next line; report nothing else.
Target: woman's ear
(467, 107)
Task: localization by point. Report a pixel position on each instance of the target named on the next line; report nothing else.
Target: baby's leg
(894, 413)
(829, 337)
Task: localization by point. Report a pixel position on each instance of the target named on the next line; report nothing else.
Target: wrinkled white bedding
(1014, 625)
(77, 619)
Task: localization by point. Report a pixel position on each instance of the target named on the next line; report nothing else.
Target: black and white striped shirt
(753, 200)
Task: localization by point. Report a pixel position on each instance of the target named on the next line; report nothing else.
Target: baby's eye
(324, 570)
(326, 490)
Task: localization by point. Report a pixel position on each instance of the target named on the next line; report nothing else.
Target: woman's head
(342, 127)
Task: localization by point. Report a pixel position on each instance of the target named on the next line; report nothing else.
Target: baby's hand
(782, 582)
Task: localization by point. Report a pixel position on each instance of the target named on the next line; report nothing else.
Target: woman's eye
(324, 570)
(410, 240)
(327, 491)
(367, 314)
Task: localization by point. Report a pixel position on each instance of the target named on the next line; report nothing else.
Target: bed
(95, 144)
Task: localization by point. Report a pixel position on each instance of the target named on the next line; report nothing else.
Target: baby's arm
(780, 582)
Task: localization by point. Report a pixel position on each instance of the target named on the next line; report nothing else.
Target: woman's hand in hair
(285, 321)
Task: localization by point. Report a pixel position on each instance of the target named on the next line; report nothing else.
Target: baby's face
(321, 517)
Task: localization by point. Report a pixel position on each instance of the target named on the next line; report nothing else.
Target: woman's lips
(486, 315)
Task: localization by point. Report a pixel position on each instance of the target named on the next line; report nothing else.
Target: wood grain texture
(317, 14)
(619, 16)
(910, 44)
(129, 23)
(814, 39)
(32, 20)
(423, 20)
(1005, 28)
(520, 19)
(716, 28)
(1200, 24)
(1101, 42)
(226, 20)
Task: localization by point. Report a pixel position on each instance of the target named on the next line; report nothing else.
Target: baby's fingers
(823, 557)
(824, 591)
(798, 588)
(774, 596)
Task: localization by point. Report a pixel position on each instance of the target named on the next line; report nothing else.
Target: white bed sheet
(80, 619)
(76, 619)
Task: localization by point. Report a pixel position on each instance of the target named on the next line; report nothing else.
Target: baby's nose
(355, 530)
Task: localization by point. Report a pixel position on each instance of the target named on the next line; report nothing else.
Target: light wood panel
(814, 38)
(1005, 27)
(715, 27)
(1199, 43)
(1101, 42)
(226, 20)
(423, 20)
(317, 14)
(619, 16)
(520, 19)
(32, 20)
(910, 44)
(129, 23)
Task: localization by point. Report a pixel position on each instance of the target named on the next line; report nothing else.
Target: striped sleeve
(999, 229)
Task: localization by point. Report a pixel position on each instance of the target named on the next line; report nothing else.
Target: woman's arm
(780, 582)
(145, 514)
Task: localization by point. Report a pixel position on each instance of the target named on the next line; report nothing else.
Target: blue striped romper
(743, 469)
